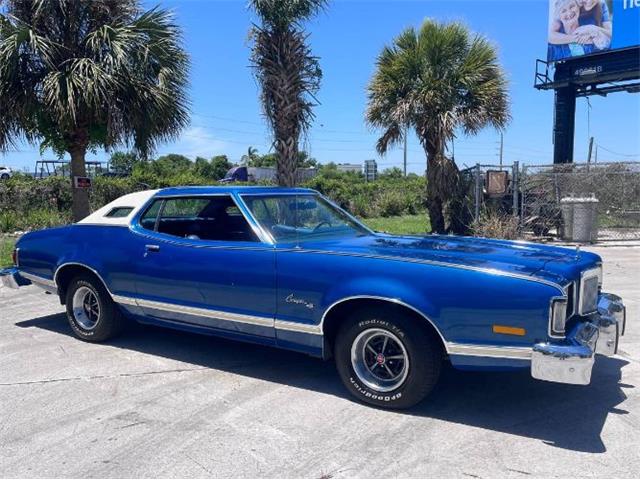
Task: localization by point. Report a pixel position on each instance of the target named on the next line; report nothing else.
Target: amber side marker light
(509, 330)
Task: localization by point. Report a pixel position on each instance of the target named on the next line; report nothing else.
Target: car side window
(148, 218)
(199, 218)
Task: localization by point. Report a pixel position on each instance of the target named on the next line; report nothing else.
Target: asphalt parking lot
(168, 404)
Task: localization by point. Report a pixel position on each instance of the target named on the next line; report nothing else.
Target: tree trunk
(434, 202)
(80, 196)
(287, 162)
(445, 195)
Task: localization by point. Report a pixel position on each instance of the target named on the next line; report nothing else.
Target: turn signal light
(509, 330)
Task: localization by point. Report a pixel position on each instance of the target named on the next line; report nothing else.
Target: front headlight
(590, 283)
(558, 317)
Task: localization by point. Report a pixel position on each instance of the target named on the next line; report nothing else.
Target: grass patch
(403, 225)
(6, 251)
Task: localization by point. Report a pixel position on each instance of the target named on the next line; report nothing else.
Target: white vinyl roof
(133, 200)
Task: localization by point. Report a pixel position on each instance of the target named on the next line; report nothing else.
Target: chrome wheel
(379, 359)
(86, 308)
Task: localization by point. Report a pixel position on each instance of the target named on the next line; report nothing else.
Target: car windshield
(299, 218)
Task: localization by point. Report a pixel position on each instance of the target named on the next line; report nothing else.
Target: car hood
(557, 264)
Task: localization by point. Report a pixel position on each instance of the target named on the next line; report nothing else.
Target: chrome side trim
(298, 327)
(124, 300)
(385, 299)
(38, 279)
(491, 351)
(206, 313)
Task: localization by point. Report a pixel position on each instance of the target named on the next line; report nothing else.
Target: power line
(634, 155)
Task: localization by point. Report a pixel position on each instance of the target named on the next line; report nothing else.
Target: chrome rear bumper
(571, 360)
(10, 278)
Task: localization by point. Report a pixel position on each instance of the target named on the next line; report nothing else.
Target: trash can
(580, 219)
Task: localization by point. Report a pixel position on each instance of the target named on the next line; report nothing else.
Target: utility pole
(501, 148)
(590, 150)
(405, 150)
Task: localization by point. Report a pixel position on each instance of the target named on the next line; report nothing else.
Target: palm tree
(436, 81)
(288, 74)
(77, 75)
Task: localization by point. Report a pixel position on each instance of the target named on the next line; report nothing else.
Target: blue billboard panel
(584, 27)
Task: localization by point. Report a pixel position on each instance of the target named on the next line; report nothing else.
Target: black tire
(4, 176)
(420, 344)
(109, 321)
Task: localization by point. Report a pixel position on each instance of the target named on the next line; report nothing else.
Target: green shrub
(27, 203)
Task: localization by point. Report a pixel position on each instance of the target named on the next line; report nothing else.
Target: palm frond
(122, 77)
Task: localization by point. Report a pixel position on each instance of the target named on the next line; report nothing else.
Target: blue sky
(226, 115)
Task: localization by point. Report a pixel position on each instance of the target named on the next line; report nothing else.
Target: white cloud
(198, 141)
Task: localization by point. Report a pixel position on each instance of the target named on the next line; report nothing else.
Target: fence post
(478, 193)
(515, 174)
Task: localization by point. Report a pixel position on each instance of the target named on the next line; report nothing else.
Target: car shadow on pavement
(565, 416)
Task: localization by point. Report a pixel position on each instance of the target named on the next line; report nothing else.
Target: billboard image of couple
(584, 27)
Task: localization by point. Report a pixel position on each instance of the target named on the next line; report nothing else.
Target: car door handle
(152, 248)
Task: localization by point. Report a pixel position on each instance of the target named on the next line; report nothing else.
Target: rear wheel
(386, 358)
(91, 311)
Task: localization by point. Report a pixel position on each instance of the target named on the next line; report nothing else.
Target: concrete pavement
(158, 403)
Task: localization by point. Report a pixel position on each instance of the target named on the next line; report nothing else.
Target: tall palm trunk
(434, 199)
(78, 149)
(287, 161)
(444, 197)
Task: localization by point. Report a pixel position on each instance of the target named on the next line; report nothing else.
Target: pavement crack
(101, 377)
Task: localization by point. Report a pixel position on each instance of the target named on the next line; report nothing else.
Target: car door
(203, 264)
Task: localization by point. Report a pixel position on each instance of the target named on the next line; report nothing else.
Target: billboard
(584, 27)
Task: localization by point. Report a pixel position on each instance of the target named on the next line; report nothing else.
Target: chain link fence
(612, 188)
(541, 197)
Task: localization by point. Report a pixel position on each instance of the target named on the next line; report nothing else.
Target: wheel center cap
(380, 359)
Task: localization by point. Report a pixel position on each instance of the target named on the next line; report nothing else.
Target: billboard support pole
(564, 124)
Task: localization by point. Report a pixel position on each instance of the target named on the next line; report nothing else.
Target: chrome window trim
(17, 249)
(310, 193)
(134, 224)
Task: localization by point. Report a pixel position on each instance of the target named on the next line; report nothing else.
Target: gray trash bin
(580, 219)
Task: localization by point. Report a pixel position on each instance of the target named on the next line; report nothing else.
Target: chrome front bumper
(10, 278)
(571, 360)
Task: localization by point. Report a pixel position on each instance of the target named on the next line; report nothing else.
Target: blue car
(290, 269)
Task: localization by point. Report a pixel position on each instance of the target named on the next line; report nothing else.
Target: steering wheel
(315, 229)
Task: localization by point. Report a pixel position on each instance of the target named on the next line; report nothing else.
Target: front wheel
(92, 313)
(387, 359)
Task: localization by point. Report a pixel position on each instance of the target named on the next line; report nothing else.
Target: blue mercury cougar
(288, 268)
